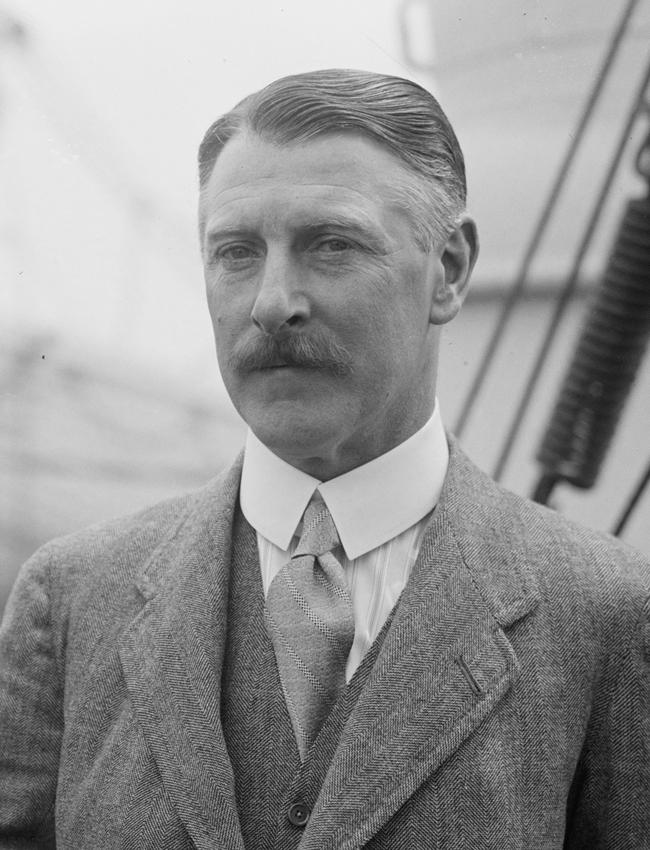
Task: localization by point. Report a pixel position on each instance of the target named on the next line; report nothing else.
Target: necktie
(311, 624)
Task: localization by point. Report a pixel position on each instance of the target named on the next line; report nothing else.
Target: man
(353, 638)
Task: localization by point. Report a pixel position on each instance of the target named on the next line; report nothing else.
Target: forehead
(337, 171)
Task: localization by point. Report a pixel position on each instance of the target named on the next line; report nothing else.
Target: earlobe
(457, 260)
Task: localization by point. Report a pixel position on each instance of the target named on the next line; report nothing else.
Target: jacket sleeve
(31, 724)
(611, 797)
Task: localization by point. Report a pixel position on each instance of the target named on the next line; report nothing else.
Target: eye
(333, 245)
(235, 254)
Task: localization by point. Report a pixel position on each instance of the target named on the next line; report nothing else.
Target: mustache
(317, 350)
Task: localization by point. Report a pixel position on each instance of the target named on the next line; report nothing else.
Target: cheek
(227, 310)
(211, 296)
(225, 328)
(390, 337)
(377, 322)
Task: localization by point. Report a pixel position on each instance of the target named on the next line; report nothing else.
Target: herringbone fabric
(508, 706)
(257, 728)
(310, 620)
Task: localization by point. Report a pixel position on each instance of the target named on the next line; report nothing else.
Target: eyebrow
(360, 226)
(212, 234)
(355, 227)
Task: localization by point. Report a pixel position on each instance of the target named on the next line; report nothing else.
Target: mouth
(274, 363)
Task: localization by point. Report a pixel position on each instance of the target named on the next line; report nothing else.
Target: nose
(279, 303)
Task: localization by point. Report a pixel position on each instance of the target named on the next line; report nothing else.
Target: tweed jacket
(508, 706)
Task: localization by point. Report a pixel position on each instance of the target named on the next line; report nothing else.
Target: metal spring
(606, 359)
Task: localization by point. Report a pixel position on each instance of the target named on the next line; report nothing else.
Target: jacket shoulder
(115, 549)
(559, 555)
(558, 544)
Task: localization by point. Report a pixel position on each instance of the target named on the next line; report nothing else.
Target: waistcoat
(273, 789)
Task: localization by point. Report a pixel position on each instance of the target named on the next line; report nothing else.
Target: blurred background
(110, 396)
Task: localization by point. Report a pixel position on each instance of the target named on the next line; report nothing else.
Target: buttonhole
(467, 673)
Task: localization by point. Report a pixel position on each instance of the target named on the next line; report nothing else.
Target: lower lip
(288, 372)
(281, 369)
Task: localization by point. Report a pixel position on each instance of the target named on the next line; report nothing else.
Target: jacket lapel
(172, 656)
(444, 666)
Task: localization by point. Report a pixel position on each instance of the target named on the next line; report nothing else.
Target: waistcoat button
(298, 814)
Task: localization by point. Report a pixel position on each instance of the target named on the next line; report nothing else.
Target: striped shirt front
(380, 511)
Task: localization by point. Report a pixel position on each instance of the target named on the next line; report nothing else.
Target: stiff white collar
(370, 504)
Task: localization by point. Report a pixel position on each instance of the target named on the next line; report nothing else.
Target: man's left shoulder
(558, 545)
(561, 556)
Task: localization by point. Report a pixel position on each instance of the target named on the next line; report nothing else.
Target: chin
(293, 434)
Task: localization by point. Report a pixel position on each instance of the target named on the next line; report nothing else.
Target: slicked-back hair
(396, 113)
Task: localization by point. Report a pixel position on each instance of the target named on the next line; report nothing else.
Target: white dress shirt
(380, 510)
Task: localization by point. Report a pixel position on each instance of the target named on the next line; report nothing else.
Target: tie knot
(319, 534)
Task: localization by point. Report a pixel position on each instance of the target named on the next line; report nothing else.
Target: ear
(457, 259)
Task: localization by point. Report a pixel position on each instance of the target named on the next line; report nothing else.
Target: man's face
(320, 298)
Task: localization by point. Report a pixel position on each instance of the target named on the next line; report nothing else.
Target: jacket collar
(492, 541)
(172, 655)
(444, 666)
(445, 663)
(474, 510)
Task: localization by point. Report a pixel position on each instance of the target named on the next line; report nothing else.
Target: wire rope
(571, 283)
(632, 502)
(521, 278)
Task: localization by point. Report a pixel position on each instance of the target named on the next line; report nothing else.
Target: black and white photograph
(324, 425)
